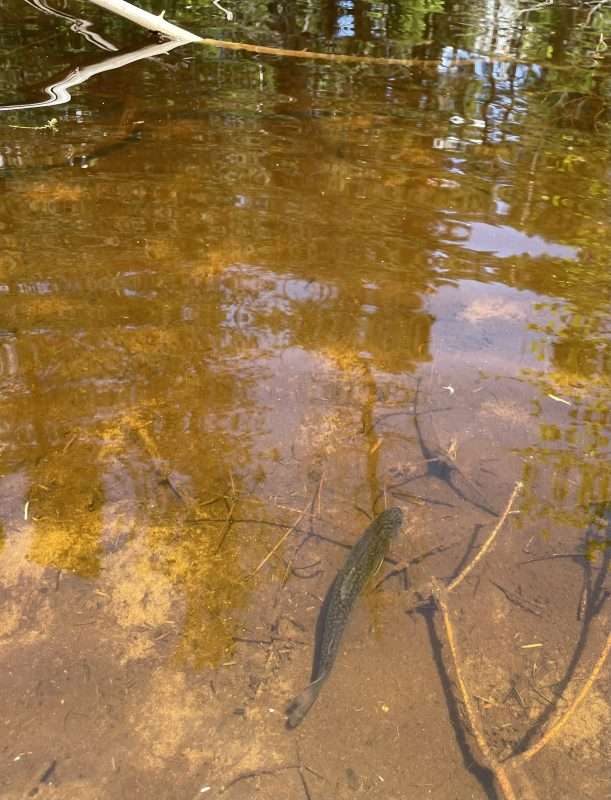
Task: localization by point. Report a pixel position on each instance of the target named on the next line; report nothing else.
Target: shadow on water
(483, 775)
(595, 594)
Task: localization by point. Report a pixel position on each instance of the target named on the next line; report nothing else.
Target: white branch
(147, 20)
(59, 91)
(81, 26)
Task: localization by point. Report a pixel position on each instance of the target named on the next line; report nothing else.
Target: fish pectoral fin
(371, 586)
(348, 580)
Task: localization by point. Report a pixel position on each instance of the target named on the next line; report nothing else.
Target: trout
(364, 561)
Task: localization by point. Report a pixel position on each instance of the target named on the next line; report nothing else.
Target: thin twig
(256, 773)
(228, 14)
(160, 465)
(536, 7)
(489, 541)
(553, 555)
(315, 498)
(342, 58)
(304, 783)
(594, 9)
(522, 602)
(563, 717)
(273, 524)
(214, 500)
(228, 524)
(281, 540)
(297, 571)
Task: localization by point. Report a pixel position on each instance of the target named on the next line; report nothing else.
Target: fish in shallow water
(364, 561)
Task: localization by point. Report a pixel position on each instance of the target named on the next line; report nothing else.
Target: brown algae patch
(348, 361)
(140, 595)
(72, 545)
(217, 261)
(213, 583)
(183, 570)
(321, 435)
(590, 388)
(65, 505)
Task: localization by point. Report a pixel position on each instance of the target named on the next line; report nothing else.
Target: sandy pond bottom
(103, 697)
(80, 723)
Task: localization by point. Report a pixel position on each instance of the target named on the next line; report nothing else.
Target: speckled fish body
(364, 561)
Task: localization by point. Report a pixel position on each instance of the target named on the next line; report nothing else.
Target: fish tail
(300, 706)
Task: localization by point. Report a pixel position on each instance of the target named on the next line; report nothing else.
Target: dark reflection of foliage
(600, 539)
(577, 459)
(574, 345)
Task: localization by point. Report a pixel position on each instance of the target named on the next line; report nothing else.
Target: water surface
(223, 276)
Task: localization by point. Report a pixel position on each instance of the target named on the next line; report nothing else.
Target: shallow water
(223, 278)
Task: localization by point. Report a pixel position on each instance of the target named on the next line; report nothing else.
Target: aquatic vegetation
(213, 583)
(65, 508)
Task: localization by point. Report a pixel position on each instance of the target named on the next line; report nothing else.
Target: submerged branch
(309, 507)
(562, 716)
(464, 704)
(510, 778)
(489, 541)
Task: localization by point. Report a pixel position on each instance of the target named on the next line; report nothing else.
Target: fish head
(393, 519)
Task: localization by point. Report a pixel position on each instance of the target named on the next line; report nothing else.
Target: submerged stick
(293, 527)
(284, 536)
(228, 524)
(489, 541)
(470, 720)
(562, 717)
(257, 773)
(513, 765)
